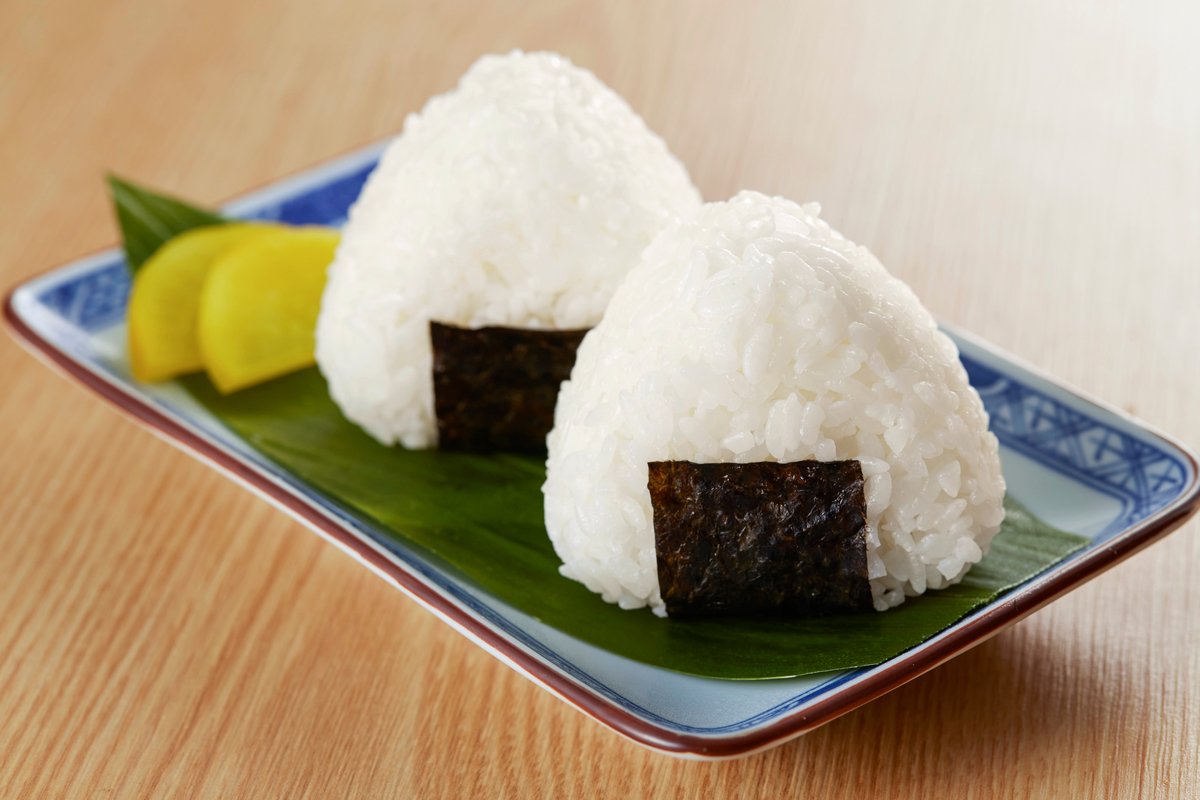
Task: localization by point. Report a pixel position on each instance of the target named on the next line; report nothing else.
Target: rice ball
(755, 332)
(520, 198)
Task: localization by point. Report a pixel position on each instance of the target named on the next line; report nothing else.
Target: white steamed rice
(755, 332)
(521, 198)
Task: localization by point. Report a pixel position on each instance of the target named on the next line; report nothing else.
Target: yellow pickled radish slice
(165, 298)
(258, 308)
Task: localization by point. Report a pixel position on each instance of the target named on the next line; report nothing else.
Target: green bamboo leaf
(480, 518)
(148, 219)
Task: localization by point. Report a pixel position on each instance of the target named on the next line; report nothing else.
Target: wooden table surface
(1032, 169)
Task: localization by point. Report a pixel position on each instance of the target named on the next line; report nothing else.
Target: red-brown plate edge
(862, 691)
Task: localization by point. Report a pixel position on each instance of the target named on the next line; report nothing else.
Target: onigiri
(754, 332)
(520, 198)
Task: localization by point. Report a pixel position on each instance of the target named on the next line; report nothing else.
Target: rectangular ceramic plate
(1083, 467)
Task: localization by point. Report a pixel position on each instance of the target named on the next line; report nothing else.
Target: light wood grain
(1032, 169)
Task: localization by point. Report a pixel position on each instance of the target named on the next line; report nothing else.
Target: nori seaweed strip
(495, 388)
(761, 536)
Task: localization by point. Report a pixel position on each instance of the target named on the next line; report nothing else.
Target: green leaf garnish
(148, 219)
(480, 518)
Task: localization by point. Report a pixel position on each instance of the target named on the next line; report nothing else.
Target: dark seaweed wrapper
(735, 538)
(495, 388)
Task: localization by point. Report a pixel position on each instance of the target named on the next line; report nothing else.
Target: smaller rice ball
(520, 198)
(754, 332)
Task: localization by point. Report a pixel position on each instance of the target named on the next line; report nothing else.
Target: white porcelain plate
(1078, 465)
